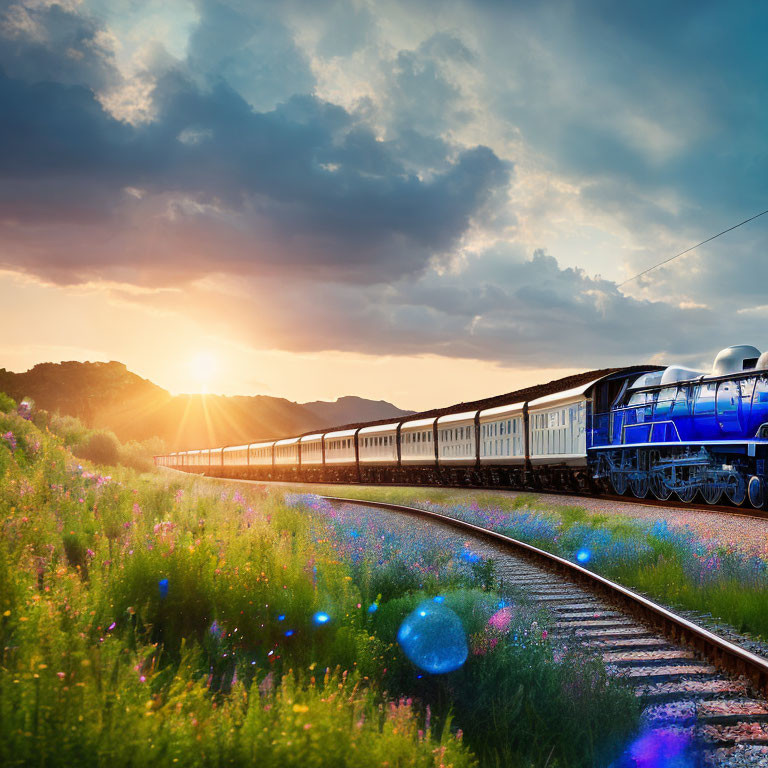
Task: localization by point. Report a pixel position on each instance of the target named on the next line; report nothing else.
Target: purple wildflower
(9, 438)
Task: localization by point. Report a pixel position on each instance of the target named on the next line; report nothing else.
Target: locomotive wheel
(619, 482)
(659, 488)
(711, 492)
(756, 492)
(736, 490)
(639, 486)
(686, 494)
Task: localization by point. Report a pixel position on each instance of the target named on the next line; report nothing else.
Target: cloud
(305, 185)
(497, 306)
(384, 177)
(248, 47)
(53, 41)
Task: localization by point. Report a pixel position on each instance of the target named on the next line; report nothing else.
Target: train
(642, 430)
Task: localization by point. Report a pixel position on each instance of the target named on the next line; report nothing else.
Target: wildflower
(299, 708)
(25, 410)
(9, 438)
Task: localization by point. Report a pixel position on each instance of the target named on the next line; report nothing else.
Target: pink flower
(501, 619)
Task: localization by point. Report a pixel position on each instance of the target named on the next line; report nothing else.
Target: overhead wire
(693, 247)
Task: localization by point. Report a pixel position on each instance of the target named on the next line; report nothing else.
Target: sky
(423, 202)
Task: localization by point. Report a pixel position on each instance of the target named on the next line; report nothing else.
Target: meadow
(671, 564)
(158, 619)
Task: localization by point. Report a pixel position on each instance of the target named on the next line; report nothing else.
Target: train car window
(681, 401)
(704, 404)
(664, 403)
(638, 398)
(760, 395)
(747, 386)
(729, 406)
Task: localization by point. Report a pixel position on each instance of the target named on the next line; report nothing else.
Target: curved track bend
(691, 680)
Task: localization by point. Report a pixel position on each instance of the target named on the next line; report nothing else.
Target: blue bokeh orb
(583, 555)
(162, 587)
(433, 638)
(321, 618)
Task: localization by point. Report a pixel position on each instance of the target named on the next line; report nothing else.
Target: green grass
(674, 566)
(159, 619)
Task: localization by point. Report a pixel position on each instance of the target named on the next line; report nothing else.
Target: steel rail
(671, 503)
(719, 651)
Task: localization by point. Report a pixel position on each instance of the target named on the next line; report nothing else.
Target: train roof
(526, 394)
(518, 396)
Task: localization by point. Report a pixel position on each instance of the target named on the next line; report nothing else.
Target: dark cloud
(41, 42)
(305, 185)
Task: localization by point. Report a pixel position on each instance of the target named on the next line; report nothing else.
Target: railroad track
(695, 686)
(744, 511)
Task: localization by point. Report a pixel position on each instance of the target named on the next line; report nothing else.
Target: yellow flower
(300, 708)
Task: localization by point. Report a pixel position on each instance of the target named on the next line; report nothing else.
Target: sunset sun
(201, 372)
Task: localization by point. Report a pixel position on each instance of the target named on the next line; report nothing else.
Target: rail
(718, 650)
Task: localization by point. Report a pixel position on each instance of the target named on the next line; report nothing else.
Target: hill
(108, 395)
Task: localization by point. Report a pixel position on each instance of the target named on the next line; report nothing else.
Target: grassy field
(672, 565)
(161, 620)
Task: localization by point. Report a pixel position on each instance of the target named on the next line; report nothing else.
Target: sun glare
(202, 369)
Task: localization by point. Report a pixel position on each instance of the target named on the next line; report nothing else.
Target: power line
(688, 250)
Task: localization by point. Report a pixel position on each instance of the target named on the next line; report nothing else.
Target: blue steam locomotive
(686, 432)
(641, 429)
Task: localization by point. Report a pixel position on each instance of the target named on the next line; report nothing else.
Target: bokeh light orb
(433, 638)
(583, 555)
(321, 618)
(162, 587)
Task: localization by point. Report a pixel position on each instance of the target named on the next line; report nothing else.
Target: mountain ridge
(109, 396)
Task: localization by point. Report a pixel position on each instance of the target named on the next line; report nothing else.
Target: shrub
(100, 448)
(69, 428)
(140, 455)
(7, 404)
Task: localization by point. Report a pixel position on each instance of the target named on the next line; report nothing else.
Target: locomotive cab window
(705, 400)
